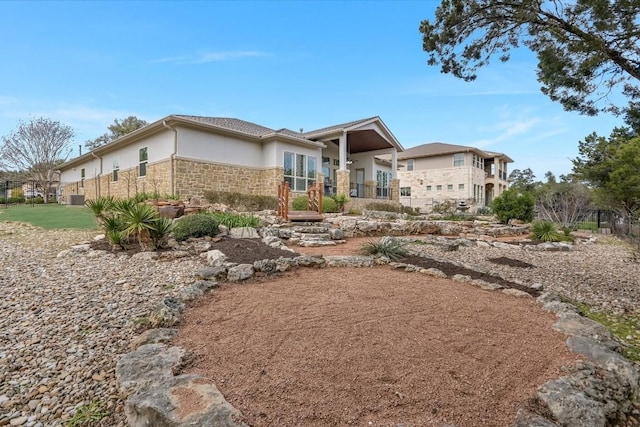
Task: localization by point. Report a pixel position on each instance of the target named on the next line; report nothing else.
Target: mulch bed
(511, 262)
(451, 270)
(240, 251)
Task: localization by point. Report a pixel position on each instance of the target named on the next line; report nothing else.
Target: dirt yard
(372, 347)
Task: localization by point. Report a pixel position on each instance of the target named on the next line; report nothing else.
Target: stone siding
(193, 178)
(128, 184)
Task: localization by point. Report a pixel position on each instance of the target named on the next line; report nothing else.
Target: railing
(283, 200)
(314, 198)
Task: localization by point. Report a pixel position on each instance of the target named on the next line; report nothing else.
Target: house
(436, 172)
(189, 155)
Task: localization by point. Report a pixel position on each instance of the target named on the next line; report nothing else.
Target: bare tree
(38, 147)
(564, 203)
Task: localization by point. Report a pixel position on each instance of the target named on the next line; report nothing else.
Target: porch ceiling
(361, 141)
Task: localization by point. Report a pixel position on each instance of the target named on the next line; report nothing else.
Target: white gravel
(65, 320)
(599, 269)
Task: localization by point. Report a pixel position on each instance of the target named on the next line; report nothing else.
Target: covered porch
(360, 160)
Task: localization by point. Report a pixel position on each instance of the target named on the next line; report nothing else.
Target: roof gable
(232, 124)
(440, 149)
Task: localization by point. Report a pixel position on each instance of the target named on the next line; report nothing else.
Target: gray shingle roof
(231, 124)
(435, 149)
(328, 129)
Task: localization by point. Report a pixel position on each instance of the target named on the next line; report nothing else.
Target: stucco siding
(195, 144)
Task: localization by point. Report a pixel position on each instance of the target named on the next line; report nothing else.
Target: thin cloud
(507, 130)
(207, 57)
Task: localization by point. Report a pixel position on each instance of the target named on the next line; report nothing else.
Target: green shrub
(513, 205)
(234, 220)
(485, 210)
(393, 249)
(388, 207)
(198, 225)
(545, 231)
(329, 205)
(242, 201)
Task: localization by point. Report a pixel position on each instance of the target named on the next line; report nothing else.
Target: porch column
(394, 164)
(343, 174)
(342, 149)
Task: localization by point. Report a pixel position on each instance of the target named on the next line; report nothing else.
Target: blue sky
(279, 64)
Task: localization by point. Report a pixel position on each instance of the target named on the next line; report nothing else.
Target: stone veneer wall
(128, 185)
(193, 178)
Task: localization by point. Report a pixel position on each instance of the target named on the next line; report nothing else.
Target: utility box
(75, 200)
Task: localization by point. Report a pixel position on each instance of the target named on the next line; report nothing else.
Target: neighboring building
(437, 172)
(188, 155)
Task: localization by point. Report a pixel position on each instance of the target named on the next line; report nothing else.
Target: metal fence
(605, 221)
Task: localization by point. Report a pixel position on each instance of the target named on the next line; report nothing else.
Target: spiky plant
(545, 231)
(100, 206)
(393, 249)
(160, 231)
(139, 220)
(123, 205)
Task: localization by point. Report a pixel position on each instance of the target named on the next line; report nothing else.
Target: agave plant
(393, 249)
(545, 231)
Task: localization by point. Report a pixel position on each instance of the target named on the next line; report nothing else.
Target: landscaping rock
(349, 261)
(171, 211)
(215, 258)
(212, 273)
(244, 233)
(157, 398)
(240, 272)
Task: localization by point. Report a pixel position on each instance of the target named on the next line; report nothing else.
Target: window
(82, 175)
(300, 170)
(460, 186)
(458, 159)
(449, 187)
(336, 162)
(383, 178)
(410, 165)
(428, 188)
(405, 191)
(326, 161)
(144, 157)
(116, 168)
(438, 187)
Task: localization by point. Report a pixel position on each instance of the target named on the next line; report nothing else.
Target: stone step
(315, 243)
(315, 237)
(310, 229)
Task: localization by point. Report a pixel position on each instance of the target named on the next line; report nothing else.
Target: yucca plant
(123, 205)
(160, 231)
(139, 220)
(393, 249)
(100, 206)
(545, 231)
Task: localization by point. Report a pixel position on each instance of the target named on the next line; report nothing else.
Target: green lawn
(50, 216)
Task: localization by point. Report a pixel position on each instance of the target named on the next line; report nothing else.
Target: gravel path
(65, 320)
